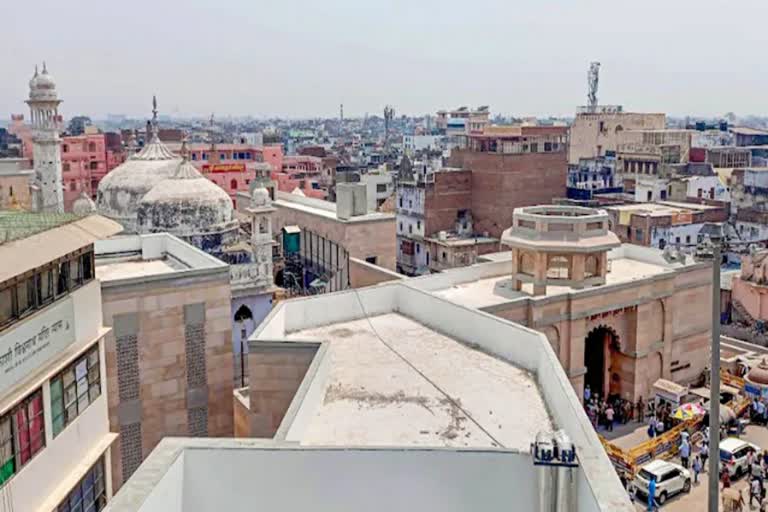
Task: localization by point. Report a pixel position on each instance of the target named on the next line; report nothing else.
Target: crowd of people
(758, 467)
(605, 413)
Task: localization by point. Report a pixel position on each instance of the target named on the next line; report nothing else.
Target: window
(558, 267)
(418, 224)
(639, 234)
(663, 194)
(233, 185)
(194, 156)
(222, 156)
(547, 147)
(371, 260)
(205, 156)
(427, 258)
(22, 435)
(74, 389)
(649, 195)
(247, 182)
(410, 228)
(590, 266)
(94, 166)
(601, 126)
(89, 494)
(381, 187)
(534, 147)
(65, 167)
(688, 239)
(418, 249)
(445, 256)
(400, 202)
(92, 147)
(65, 148)
(677, 240)
(72, 186)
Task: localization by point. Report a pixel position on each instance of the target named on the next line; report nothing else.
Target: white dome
(121, 190)
(260, 197)
(42, 86)
(83, 205)
(186, 204)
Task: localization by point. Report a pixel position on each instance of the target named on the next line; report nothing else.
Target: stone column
(577, 270)
(540, 274)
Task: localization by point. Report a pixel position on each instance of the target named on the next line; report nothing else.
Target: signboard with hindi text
(214, 168)
(35, 341)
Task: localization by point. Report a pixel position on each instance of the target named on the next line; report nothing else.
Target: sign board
(35, 341)
(218, 168)
(751, 390)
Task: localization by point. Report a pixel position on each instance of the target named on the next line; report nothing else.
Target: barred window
(22, 435)
(74, 389)
(89, 494)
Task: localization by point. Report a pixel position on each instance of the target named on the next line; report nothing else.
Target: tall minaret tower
(46, 144)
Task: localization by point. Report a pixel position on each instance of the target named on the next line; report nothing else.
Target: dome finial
(184, 148)
(45, 70)
(36, 73)
(155, 135)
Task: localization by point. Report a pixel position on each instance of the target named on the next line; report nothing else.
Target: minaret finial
(36, 73)
(184, 148)
(155, 135)
(45, 70)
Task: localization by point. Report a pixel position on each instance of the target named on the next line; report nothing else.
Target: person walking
(685, 452)
(640, 410)
(609, 413)
(755, 491)
(587, 393)
(696, 468)
(652, 495)
(704, 454)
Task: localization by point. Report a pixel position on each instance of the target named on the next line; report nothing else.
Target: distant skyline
(302, 59)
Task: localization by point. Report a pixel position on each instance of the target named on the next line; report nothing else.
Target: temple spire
(155, 130)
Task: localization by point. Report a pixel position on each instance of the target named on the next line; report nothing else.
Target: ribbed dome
(121, 189)
(759, 374)
(186, 204)
(83, 205)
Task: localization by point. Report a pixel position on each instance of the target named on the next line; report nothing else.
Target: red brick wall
(451, 192)
(501, 183)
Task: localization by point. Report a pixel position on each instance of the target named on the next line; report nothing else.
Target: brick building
(434, 222)
(592, 134)
(512, 166)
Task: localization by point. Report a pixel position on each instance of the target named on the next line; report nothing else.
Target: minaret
(46, 144)
(261, 211)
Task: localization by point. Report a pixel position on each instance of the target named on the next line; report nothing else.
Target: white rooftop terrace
(397, 366)
(392, 381)
(489, 284)
(322, 208)
(139, 258)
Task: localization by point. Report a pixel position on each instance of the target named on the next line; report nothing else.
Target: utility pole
(714, 383)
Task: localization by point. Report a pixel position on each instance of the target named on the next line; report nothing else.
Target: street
(696, 500)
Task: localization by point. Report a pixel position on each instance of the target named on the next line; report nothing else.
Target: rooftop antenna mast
(593, 77)
(389, 114)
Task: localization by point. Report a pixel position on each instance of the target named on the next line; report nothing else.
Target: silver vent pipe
(554, 456)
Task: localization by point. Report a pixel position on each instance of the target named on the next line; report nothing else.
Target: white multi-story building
(54, 425)
(46, 145)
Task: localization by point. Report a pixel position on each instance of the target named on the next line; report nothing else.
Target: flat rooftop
(325, 209)
(661, 209)
(490, 283)
(387, 387)
(108, 269)
(137, 258)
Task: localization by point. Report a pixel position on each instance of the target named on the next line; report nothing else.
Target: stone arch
(600, 345)
(243, 313)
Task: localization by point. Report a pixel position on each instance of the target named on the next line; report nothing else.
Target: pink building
(303, 172)
(233, 166)
(750, 289)
(85, 159)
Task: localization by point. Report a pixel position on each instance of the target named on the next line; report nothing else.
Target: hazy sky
(301, 59)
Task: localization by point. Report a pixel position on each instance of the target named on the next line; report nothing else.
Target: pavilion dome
(42, 86)
(260, 197)
(83, 205)
(121, 190)
(186, 204)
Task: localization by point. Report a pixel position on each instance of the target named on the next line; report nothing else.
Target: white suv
(733, 453)
(671, 479)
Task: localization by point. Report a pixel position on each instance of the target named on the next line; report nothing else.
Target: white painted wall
(706, 184)
(356, 480)
(751, 231)
(168, 494)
